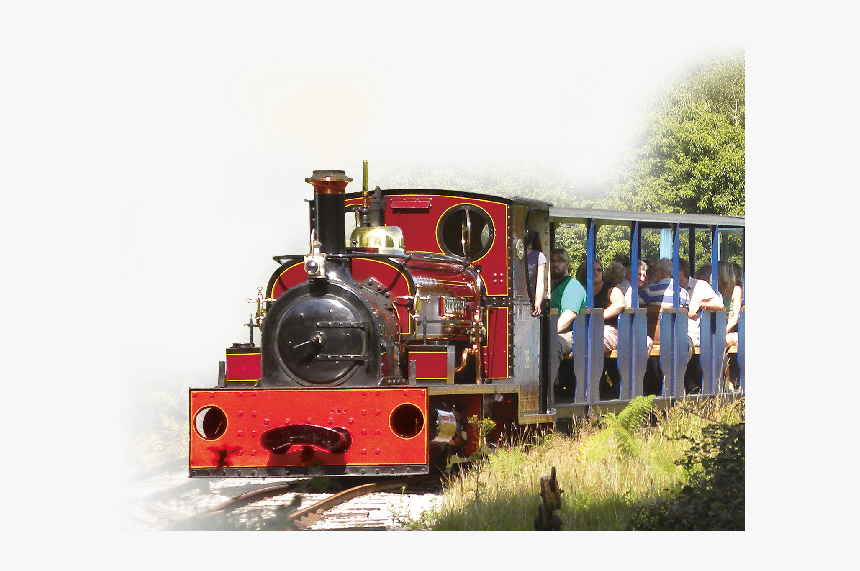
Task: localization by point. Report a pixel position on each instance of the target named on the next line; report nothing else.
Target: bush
(713, 498)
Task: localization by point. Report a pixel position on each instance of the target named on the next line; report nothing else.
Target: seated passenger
(608, 297)
(568, 297)
(625, 285)
(702, 295)
(730, 285)
(616, 274)
(627, 289)
(559, 267)
(661, 290)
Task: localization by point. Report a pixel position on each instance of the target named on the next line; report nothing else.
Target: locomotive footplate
(277, 432)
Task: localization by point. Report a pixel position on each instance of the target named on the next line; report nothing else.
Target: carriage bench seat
(654, 316)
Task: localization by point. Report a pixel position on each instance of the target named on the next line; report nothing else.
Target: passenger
(627, 289)
(568, 297)
(651, 275)
(615, 273)
(610, 298)
(625, 284)
(661, 289)
(702, 296)
(559, 266)
(643, 272)
(704, 273)
(660, 292)
(730, 285)
(536, 270)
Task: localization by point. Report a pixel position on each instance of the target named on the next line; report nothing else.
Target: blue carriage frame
(588, 356)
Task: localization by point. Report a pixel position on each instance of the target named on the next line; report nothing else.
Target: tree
(692, 155)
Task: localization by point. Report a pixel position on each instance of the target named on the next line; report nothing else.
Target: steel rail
(304, 517)
(254, 496)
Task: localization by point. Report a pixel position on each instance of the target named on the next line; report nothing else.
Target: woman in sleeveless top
(609, 297)
(731, 289)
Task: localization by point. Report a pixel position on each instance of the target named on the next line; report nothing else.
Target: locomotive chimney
(329, 189)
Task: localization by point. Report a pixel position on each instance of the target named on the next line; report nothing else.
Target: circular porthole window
(467, 231)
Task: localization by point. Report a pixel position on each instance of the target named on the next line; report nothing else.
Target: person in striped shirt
(662, 289)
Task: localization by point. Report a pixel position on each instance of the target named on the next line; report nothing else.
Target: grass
(607, 472)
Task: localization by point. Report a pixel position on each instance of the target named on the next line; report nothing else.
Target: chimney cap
(329, 175)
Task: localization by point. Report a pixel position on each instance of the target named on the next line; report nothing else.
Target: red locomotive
(380, 343)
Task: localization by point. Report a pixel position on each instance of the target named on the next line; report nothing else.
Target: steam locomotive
(406, 324)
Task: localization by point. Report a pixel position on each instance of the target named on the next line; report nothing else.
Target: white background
(154, 156)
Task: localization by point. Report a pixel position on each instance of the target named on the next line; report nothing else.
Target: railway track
(172, 502)
(295, 510)
(303, 518)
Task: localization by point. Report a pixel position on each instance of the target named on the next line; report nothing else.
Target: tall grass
(605, 471)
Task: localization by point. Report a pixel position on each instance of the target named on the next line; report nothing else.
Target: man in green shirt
(568, 297)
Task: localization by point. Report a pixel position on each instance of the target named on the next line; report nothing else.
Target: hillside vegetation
(619, 472)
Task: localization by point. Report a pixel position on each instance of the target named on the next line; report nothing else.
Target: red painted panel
(410, 202)
(290, 277)
(366, 413)
(430, 364)
(496, 352)
(243, 366)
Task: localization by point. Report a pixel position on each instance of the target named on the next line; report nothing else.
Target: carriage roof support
(590, 254)
(635, 253)
(676, 266)
(715, 255)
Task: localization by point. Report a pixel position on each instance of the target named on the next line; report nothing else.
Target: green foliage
(482, 427)
(691, 159)
(692, 155)
(612, 243)
(713, 499)
(618, 433)
(508, 461)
